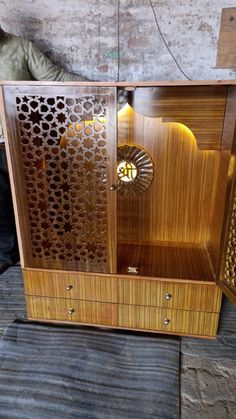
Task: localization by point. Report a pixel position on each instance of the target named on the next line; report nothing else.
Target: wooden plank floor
(12, 301)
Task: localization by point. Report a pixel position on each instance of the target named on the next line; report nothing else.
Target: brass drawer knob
(168, 296)
(71, 311)
(166, 322)
(113, 187)
(69, 287)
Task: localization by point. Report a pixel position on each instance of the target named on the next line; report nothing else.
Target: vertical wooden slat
(15, 174)
(226, 55)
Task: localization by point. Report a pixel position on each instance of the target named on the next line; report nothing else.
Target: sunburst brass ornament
(135, 170)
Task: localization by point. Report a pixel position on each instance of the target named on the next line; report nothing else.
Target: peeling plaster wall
(83, 36)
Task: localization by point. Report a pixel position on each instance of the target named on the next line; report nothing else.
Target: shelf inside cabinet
(166, 260)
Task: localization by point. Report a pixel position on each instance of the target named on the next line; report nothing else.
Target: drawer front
(169, 294)
(168, 320)
(59, 309)
(124, 316)
(67, 285)
(48, 308)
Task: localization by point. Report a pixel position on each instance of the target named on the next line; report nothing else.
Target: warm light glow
(124, 110)
(231, 166)
(186, 130)
(83, 124)
(182, 132)
(127, 171)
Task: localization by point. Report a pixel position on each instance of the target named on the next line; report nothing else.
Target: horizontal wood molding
(126, 276)
(149, 83)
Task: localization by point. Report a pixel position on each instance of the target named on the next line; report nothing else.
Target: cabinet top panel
(128, 83)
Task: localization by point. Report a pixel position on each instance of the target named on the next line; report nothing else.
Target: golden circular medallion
(135, 170)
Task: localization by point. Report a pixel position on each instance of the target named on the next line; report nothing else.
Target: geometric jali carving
(229, 273)
(64, 157)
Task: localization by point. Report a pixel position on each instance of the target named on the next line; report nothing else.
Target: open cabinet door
(227, 277)
(61, 155)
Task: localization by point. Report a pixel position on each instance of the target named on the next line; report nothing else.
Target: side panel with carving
(227, 280)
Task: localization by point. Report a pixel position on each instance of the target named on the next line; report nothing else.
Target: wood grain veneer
(176, 207)
(182, 296)
(83, 311)
(217, 211)
(124, 290)
(226, 55)
(55, 284)
(128, 316)
(166, 260)
(229, 119)
(182, 321)
(173, 233)
(48, 309)
(201, 110)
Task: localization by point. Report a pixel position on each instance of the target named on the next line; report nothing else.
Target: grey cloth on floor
(224, 346)
(63, 372)
(12, 299)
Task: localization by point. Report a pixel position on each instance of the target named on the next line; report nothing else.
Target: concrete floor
(208, 372)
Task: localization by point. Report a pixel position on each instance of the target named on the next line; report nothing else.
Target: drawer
(59, 309)
(155, 293)
(69, 285)
(168, 320)
(124, 316)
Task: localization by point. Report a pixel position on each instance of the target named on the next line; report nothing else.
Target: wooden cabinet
(124, 197)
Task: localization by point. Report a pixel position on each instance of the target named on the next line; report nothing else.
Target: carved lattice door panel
(63, 154)
(227, 280)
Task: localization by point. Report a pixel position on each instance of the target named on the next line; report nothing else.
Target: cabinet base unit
(125, 201)
(166, 306)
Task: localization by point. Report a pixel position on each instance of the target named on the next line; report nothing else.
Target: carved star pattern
(37, 141)
(65, 187)
(68, 227)
(35, 117)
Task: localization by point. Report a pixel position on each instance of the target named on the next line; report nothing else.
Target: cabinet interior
(173, 229)
(63, 148)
